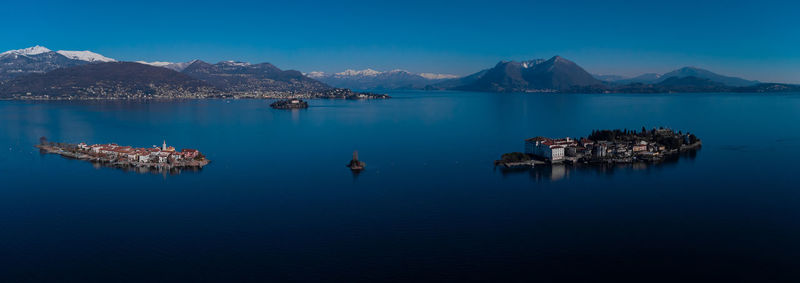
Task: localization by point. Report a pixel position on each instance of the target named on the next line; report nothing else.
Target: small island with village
(113, 155)
(603, 147)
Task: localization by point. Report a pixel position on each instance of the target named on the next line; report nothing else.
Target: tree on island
(42, 140)
(515, 157)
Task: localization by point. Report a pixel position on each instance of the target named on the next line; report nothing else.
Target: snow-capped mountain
(232, 63)
(35, 50)
(353, 73)
(554, 74)
(432, 76)
(372, 79)
(169, 65)
(40, 59)
(315, 74)
(85, 55)
(32, 60)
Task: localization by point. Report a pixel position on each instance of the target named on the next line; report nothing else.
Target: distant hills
(377, 80)
(647, 78)
(233, 76)
(38, 71)
(558, 74)
(107, 80)
(169, 65)
(653, 78)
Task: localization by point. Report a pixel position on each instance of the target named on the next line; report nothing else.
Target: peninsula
(603, 147)
(113, 155)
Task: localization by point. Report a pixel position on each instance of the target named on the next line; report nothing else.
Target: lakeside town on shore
(113, 155)
(603, 147)
(187, 95)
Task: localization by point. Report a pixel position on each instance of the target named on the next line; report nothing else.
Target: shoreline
(160, 98)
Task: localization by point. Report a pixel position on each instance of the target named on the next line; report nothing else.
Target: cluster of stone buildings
(585, 150)
(163, 155)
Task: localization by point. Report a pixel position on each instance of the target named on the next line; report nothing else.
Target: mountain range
(38, 59)
(108, 80)
(169, 65)
(233, 76)
(38, 71)
(377, 80)
(653, 78)
(558, 74)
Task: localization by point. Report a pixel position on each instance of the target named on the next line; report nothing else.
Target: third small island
(289, 104)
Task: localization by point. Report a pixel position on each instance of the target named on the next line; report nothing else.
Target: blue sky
(752, 39)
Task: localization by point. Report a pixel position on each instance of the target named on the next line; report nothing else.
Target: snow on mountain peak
(365, 72)
(373, 73)
(156, 63)
(235, 63)
(27, 51)
(315, 74)
(85, 55)
(432, 76)
(169, 65)
(395, 71)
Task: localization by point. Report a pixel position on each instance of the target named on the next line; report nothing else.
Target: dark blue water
(278, 204)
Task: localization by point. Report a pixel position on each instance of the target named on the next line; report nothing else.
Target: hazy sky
(753, 39)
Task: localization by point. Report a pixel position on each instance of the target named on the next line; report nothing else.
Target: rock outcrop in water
(355, 164)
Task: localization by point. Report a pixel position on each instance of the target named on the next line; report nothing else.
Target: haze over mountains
(558, 74)
(38, 71)
(652, 78)
(377, 80)
(245, 77)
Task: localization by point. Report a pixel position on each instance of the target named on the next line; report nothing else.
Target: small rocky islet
(356, 165)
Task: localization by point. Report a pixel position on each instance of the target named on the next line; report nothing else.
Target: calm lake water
(278, 204)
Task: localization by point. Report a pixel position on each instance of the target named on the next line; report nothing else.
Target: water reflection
(355, 174)
(556, 172)
(151, 170)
